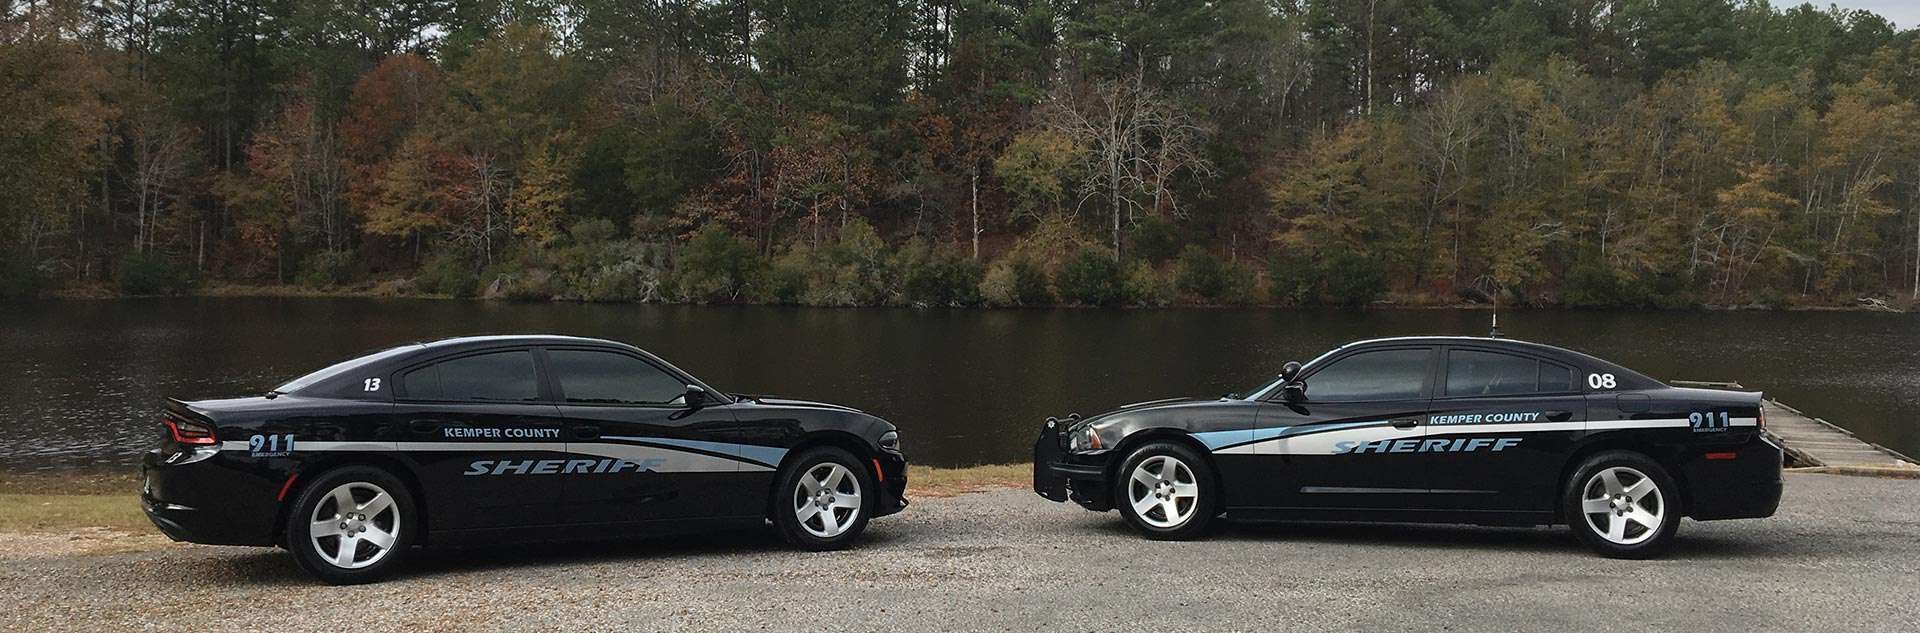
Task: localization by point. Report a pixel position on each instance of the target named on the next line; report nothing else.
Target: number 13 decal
(373, 384)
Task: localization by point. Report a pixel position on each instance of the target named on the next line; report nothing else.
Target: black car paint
(1520, 485)
(230, 496)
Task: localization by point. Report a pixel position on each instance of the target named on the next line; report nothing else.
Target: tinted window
(1383, 375)
(1471, 373)
(1555, 378)
(492, 377)
(609, 378)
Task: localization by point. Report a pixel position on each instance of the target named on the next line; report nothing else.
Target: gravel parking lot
(1841, 555)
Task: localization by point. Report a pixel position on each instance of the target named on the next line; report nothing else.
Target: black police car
(509, 438)
(1432, 430)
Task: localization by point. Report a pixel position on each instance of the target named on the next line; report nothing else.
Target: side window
(590, 377)
(1471, 373)
(1384, 375)
(492, 377)
(1476, 373)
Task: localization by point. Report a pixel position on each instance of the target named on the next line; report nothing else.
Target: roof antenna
(1496, 319)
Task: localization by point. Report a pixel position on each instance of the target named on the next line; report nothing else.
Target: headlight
(890, 440)
(1092, 437)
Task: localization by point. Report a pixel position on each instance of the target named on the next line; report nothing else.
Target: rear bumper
(1746, 486)
(207, 502)
(1061, 476)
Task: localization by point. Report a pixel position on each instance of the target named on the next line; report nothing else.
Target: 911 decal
(276, 445)
(1710, 421)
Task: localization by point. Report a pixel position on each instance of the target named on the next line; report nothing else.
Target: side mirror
(1289, 370)
(1294, 391)
(695, 397)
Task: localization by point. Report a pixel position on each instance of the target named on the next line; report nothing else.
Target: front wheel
(1623, 505)
(822, 499)
(351, 525)
(1167, 492)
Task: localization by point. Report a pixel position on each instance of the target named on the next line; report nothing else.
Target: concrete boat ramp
(1816, 445)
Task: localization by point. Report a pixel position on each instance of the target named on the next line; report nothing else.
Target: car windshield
(339, 368)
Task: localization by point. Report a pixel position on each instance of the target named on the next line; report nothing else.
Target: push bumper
(1061, 476)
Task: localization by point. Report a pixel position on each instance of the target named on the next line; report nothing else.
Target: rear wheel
(351, 525)
(1167, 491)
(1623, 505)
(822, 499)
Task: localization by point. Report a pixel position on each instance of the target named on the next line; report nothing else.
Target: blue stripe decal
(766, 455)
(1216, 440)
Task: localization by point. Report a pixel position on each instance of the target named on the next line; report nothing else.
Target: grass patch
(60, 513)
(58, 502)
(927, 481)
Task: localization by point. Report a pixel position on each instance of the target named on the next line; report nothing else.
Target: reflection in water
(965, 386)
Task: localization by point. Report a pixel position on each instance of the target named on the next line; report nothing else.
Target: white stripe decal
(672, 460)
(1323, 443)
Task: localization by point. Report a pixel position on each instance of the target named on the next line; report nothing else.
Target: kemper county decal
(1462, 445)
(495, 433)
(1483, 418)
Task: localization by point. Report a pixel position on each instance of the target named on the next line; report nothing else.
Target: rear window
(490, 377)
(341, 368)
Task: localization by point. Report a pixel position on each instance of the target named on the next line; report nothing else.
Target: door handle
(1406, 423)
(584, 431)
(423, 427)
(1557, 416)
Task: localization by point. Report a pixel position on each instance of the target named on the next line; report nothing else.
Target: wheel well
(1666, 458)
(1176, 436)
(837, 439)
(313, 469)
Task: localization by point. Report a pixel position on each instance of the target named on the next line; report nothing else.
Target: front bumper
(1061, 476)
(893, 483)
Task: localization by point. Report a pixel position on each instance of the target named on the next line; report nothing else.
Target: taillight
(1760, 419)
(189, 432)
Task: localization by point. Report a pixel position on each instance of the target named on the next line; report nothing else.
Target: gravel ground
(1841, 555)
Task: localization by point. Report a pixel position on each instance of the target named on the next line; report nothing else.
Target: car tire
(1622, 504)
(351, 525)
(1167, 491)
(822, 499)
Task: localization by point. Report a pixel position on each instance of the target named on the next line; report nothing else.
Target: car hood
(774, 401)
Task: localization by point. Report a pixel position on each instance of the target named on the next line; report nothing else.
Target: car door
(1507, 421)
(1348, 437)
(480, 436)
(665, 459)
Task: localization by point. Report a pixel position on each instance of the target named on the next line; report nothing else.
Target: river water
(84, 379)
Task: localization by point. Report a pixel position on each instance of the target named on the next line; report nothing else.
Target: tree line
(958, 152)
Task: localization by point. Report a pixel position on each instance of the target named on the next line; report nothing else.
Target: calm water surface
(84, 378)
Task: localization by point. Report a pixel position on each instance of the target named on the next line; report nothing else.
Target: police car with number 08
(1434, 430)
(477, 441)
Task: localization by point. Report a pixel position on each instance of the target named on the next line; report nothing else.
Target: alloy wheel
(354, 526)
(827, 500)
(1623, 505)
(1163, 491)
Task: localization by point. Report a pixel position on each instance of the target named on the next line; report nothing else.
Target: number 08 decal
(1600, 381)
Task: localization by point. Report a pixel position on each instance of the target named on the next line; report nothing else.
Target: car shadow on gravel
(1545, 540)
(719, 544)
